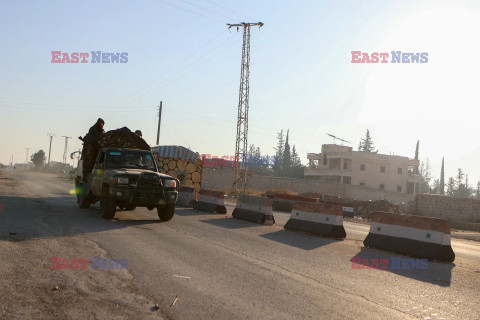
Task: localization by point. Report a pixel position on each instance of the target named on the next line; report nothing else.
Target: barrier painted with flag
(211, 201)
(186, 196)
(318, 219)
(255, 209)
(347, 208)
(284, 202)
(417, 236)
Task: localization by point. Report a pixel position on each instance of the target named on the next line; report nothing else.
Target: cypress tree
(442, 178)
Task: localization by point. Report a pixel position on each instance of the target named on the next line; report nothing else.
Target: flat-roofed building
(340, 164)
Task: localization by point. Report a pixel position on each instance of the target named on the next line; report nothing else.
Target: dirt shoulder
(31, 289)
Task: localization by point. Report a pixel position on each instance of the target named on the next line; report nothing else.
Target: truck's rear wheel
(166, 213)
(108, 205)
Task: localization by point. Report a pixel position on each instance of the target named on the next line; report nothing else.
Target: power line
(176, 65)
(75, 110)
(179, 74)
(214, 12)
(63, 105)
(185, 68)
(240, 14)
(173, 5)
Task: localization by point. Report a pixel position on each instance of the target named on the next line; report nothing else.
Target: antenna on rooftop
(335, 137)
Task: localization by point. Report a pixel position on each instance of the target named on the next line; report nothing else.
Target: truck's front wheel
(83, 199)
(84, 202)
(166, 213)
(108, 205)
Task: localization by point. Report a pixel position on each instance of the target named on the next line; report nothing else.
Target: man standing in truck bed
(91, 144)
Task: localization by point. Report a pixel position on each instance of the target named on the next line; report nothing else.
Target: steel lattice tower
(241, 144)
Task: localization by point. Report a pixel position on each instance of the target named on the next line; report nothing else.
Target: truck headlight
(170, 183)
(120, 180)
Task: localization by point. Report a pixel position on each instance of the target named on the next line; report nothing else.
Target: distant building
(340, 164)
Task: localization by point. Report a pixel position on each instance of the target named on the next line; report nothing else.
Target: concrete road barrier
(186, 196)
(318, 219)
(348, 211)
(255, 209)
(347, 208)
(211, 201)
(417, 236)
(284, 202)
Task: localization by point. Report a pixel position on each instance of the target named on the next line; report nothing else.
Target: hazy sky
(302, 77)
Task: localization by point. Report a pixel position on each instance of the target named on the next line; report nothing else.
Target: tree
(256, 162)
(416, 156)
(459, 178)
(366, 145)
(425, 176)
(436, 186)
(286, 159)
(463, 189)
(477, 195)
(277, 167)
(451, 187)
(297, 168)
(442, 178)
(416, 149)
(296, 162)
(38, 158)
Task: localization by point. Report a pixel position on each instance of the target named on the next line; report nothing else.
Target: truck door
(97, 174)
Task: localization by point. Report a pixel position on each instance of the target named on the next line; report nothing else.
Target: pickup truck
(126, 178)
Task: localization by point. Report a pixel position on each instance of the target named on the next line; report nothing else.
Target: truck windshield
(130, 160)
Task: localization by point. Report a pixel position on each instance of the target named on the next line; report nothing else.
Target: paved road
(212, 266)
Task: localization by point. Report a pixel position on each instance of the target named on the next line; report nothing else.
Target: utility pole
(159, 121)
(26, 159)
(241, 144)
(51, 135)
(65, 150)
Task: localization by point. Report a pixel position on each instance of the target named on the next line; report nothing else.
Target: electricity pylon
(65, 150)
(241, 144)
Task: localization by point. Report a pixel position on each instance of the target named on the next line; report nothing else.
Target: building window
(382, 169)
(362, 183)
(399, 188)
(382, 186)
(362, 167)
(347, 180)
(325, 161)
(399, 170)
(410, 188)
(344, 166)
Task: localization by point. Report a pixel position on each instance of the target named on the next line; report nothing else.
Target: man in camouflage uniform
(91, 144)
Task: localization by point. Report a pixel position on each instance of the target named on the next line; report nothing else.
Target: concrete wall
(454, 209)
(221, 178)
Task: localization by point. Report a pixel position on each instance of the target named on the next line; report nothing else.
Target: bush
(271, 192)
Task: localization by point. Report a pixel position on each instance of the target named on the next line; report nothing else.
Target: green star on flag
(428, 235)
(328, 219)
(379, 229)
